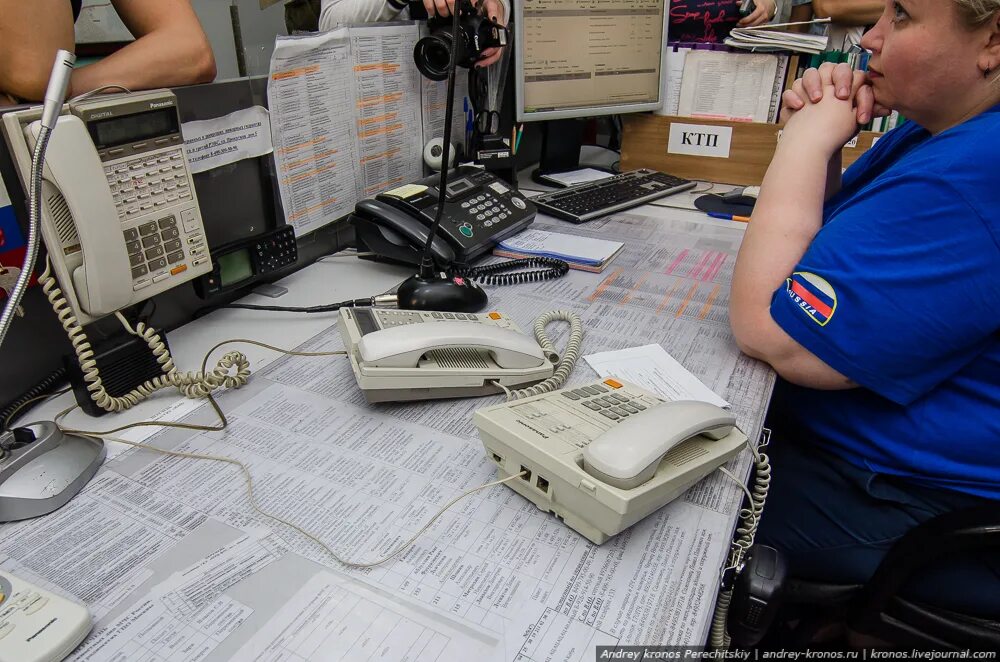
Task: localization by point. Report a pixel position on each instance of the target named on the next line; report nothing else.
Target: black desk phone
(480, 211)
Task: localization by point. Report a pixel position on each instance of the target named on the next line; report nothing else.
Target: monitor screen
(579, 58)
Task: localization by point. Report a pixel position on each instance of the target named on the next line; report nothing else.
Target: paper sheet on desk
(311, 97)
(652, 368)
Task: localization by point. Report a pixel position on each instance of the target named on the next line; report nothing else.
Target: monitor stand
(561, 144)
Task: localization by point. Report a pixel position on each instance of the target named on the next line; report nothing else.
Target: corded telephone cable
(566, 362)
(191, 384)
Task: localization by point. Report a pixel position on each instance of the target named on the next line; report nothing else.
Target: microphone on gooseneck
(430, 289)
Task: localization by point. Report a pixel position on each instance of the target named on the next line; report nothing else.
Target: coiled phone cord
(566, 362)
(191, 384)
(746, 529)
(494, 274)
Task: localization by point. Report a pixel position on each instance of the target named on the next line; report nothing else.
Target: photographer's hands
(495, 9)
(765, 11)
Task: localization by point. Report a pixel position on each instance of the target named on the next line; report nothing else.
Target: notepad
(583, 253)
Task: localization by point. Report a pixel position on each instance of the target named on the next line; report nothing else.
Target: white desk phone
(603, 456)
(37, 625)
(120, 216)
(418, 355)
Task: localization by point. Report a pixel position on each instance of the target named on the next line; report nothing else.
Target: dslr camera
(476, 33)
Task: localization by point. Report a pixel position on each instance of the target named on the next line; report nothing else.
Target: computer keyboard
(585, 202)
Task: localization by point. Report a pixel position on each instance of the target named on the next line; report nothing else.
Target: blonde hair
(977, 12)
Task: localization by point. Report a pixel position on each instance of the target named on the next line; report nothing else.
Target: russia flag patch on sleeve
(813, 295)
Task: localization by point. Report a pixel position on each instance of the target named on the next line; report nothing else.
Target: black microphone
(429, 288)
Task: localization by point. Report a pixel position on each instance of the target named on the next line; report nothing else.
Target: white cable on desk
(256, 507)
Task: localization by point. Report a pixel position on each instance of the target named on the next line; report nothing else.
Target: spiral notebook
(583, 253)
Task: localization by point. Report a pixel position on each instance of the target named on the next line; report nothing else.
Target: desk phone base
(545, 435)
(442, 372)
(37, 625)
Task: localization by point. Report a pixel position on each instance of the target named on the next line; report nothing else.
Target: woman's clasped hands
(827, 105)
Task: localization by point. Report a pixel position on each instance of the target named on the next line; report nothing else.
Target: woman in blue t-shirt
(710, 21)
(875, 296)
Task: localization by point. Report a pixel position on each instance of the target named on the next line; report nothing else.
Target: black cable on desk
(327, 308)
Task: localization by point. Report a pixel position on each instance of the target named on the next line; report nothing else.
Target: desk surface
(169, 557)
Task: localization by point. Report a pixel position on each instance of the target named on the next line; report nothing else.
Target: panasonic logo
(161, 104)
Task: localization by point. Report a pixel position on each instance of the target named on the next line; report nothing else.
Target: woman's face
(924, 59)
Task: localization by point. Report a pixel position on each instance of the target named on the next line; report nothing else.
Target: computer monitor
(583, 58)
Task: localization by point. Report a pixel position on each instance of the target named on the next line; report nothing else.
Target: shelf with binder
(709, 149)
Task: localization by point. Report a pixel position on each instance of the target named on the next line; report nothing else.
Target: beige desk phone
(120, 216)
(603, 456)
(419, 355)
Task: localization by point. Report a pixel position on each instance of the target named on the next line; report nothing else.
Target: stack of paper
(740, 87)
(766, 40)
(581, 253)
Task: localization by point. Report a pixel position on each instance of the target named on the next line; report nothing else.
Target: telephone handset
(480, 211)
(628, 454)
(401, 355)
(120, 216)
(405, 346)
(605, 455)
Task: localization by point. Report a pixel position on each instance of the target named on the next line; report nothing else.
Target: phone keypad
(599, 398)
(155, 247)
(150, 181)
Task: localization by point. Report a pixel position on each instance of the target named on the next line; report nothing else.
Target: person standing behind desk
(875, 297)
(711, 21)
(346, 12)
(170, 48)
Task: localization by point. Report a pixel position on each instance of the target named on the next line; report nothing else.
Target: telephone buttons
(135, 259)
(465, 229)
(180, 268)
(196, 239)
(200, 260)
(147, 228)
(6, 629)
(150, 241)
(161, 278)
(139, 284)
(170, 233)
(159, 263)
(131, 234)
(155, 251)
(172, 245)
(138, 271)
(133, 247)
(189, 220)
(175, 257)
(167, 222)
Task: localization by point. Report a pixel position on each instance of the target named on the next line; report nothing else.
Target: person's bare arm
(170, 48)
(849, 12)
(30, 35)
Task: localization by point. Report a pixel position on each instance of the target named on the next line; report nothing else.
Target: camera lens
(432, 55)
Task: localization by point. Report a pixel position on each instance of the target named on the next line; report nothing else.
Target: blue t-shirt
(900, 292)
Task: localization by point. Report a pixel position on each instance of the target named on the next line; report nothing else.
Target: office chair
(876, 610)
